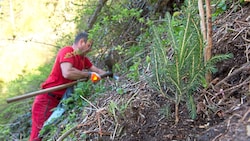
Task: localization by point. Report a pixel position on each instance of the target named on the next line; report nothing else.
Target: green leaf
(120, 91)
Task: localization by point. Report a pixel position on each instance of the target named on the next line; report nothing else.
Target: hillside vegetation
(157, 50)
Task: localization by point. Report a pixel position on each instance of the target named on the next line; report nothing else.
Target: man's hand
(94, 77)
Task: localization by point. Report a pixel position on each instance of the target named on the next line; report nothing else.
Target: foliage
(28, 81)
(16, 111)
(120, 108)
(13, 112)
(111, 22)
(182, 71)
(134, 71)
(18, 124)
(112, 109)
(110, 27)
(4, 132)
(165, 110)
(223, 5)
(74, 104)
(84, 89)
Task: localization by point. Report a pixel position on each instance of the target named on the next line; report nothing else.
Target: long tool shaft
(52, 89)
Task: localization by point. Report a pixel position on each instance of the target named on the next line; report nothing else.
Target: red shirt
(56, 78)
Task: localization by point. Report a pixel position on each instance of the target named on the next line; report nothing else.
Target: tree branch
(98, 9)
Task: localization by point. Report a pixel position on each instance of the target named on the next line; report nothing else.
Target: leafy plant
(4, 132)
(183, 73)
(165, 110)
(220, 8)
(120, 91)
(223, 5)
(112, 109)
(134, 71)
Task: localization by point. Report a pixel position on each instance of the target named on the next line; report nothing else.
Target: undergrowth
(84, 93)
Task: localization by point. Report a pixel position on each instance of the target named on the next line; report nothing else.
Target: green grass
(9, 112)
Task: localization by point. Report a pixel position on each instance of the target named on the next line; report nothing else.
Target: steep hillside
(136, 112)
(142, 114)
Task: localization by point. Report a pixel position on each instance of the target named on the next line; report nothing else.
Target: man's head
(81, 36)
(81, 43)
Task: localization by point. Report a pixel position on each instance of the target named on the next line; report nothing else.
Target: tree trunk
(93, 18)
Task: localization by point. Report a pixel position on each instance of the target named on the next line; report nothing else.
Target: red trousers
(41, 110)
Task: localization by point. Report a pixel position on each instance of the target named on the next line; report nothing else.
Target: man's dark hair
(81, 35)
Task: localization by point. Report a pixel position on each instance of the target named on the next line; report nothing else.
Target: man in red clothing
(69, 65)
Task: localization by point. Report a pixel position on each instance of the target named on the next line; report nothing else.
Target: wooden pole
(208, 49)
(45, 91)
(42, 91)
(202, 22)
(206, 29)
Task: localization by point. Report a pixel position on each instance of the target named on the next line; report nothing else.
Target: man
(69, 65)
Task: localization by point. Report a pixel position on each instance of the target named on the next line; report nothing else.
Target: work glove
(94, 77)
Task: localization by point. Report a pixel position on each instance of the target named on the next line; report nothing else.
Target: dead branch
(66, 134)
(63, 136)
(244, 38)
(233, 89)
(94, 131)
(239, 33)
(245, 66)
(245, 115)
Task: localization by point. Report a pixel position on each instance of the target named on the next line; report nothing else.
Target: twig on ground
(234, 88)
(88, 102)
(245, 115)
(99, 121)
(239, 33)
(244, 38)
(94, 131)
(245, 66)
(63, 136)
(216, 137)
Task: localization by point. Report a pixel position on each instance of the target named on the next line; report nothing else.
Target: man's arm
(69, 72)
(97, 70)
